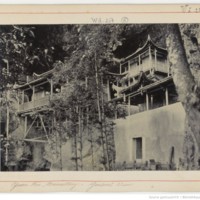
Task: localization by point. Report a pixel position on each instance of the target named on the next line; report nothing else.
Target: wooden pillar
(22, 96)
(147, 101)
(25, 126)
(120, 68)
(33, 96)
(51, 85)
(151, 99)
(166, 97)
(139, 62)
(150, 58)
(155, 65)
(117, 90)
(129, 68)
(167, 63)
(124, 97)
(108, 89)
(129, 106)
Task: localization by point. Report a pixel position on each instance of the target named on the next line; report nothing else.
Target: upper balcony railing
(147, 61)
(27, 106)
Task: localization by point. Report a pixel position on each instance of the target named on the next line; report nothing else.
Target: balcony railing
(34, 104)
(162, 67)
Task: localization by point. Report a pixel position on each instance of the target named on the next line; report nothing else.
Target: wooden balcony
(36, 104)
(145, 67)
(163, 67)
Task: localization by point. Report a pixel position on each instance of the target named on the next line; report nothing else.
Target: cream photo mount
(96, 181)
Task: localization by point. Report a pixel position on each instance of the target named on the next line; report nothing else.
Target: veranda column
(124, 97)
(155, 65)
(129, 106)
(150, 58)
(168, 68)
(147, 101)
(33, 96)
(120, 68)
(151, 99)
(166, 96)
(129, 68)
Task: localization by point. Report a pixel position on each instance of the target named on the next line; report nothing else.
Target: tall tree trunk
(97, 86)
(89, 132)
(186, 87)
(74, 133)
(99, 110)
(60, 146)
(104, 126)
(80, 145)
(7, 125)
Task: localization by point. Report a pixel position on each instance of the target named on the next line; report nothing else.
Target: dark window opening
(138, 148)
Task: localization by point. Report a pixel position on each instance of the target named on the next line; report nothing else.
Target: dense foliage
(81, 55)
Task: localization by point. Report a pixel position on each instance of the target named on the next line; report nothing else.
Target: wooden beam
(27, 131)
(41, 83)
(139, 62)
(45, 130)
(35, 140)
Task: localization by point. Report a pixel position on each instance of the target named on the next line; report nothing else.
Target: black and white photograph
(100, 97)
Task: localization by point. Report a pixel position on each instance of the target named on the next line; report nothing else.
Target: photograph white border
(127, 181)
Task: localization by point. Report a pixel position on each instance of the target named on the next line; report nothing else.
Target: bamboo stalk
(89, 133)
(80, 149)
(104, 126)
(99, 109)
(91, 137)
(97, 85)
(7, 125)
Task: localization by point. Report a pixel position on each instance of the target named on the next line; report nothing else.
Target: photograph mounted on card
(99, 98)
